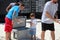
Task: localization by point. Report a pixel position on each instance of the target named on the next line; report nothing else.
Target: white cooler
(22, 34)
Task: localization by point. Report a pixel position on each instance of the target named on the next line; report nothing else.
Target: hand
(59, 22)
(56, 20)
(12, 22)
(19, 21)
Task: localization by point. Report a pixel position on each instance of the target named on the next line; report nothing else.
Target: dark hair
(16, 4)
(17, 1)
(22, 5)
(32, 15)
(21, 0)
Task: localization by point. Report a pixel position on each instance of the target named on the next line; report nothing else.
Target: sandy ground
(38, 33)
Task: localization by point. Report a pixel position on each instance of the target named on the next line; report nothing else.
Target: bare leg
(10, 36)
(34, 38)
(7, 35)
(31, 37)
(53, 35)
(42, 35)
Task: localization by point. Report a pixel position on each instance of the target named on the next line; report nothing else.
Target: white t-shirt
(34, 21)
(51, 8)
(12, 4)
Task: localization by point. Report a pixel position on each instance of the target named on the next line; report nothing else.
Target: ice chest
(22, 34)
(19, 22)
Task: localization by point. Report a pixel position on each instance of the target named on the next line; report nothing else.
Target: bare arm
(49, 16)
(19, 3)
(56, 15)
(14, 16)
(14, 13)
(9, 6)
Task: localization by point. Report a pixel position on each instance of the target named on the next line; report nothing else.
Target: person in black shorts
(48, 27)
(48, 19)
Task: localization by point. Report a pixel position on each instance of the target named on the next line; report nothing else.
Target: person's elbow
(47, 14)
(6, 10)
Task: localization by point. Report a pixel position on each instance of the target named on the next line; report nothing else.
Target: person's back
(12, 4)
(11, 11)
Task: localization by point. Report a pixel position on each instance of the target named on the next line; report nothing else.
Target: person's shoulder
(16, 6)
(56, 4)
(48, 3)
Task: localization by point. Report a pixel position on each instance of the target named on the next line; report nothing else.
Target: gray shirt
(12, 4)
(51, 8)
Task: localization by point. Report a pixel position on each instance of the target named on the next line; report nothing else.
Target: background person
(48, 19)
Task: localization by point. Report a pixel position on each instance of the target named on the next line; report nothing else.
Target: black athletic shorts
(48, 27)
